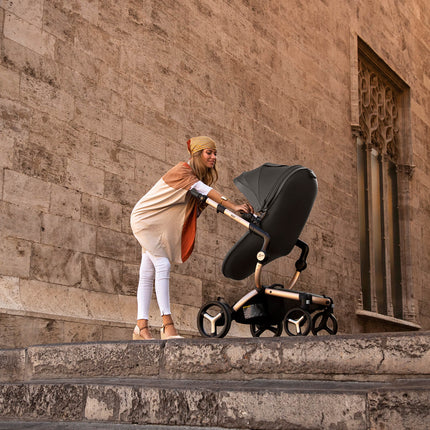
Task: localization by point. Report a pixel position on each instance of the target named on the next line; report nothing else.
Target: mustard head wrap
(196, 144)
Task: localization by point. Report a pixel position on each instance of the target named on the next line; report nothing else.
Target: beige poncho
(164, 219)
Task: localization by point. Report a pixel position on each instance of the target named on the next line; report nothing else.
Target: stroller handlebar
(261, 256)
(198, 196)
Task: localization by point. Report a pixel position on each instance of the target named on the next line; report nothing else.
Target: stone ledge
(66, 318)
(249, 404)
(256, 385)
(396, 321)
(85, 425)
(354, 357)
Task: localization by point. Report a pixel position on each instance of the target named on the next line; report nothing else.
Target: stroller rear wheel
(214, 319)
(297, 322)
(259, 329)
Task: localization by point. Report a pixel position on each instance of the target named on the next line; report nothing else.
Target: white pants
(153, 267)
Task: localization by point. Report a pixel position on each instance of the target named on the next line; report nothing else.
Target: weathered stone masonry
(97, 100)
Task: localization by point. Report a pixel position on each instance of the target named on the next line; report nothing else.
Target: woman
(164, 223)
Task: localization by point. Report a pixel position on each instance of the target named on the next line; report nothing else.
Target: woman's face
(209, 158)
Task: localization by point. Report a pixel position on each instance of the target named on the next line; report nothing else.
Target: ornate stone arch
(382, 136)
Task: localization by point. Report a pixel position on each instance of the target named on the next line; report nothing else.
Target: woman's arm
(217, 197)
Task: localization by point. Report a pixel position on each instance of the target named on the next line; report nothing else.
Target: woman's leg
(144, 294)
(162, 280)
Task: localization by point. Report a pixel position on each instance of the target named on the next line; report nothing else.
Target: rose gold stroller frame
(306, 300)
(261, 256)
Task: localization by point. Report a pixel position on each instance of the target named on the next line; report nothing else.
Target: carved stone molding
(356, 131)
(406, 169)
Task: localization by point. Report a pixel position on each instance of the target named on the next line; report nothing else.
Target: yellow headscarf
(196, 144)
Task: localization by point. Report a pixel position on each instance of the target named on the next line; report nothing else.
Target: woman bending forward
(164, 223)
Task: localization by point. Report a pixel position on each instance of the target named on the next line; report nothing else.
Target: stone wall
(98, 98)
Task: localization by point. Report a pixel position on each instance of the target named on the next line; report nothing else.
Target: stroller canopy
(284, 195)
(260, 186)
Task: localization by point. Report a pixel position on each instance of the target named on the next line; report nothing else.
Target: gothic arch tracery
(378, 109)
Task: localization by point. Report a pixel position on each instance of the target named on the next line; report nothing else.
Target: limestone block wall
(97, 100)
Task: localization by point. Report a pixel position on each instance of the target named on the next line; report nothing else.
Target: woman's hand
(218, 198)
(245, 207)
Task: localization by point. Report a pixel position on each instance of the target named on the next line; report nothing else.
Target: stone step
(355, 382)
(84, 425)
(256, 404)
(354, 357)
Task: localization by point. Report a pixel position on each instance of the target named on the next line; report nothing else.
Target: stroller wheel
(214, 319)
(258, 330)
(297, 322)
(328, 323)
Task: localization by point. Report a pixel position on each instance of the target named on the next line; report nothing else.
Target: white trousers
(158, 269)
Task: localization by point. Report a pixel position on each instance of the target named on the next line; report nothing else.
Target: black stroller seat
(284, 195)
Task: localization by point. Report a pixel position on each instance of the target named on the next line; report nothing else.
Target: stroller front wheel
(297, 322)
(214, 319)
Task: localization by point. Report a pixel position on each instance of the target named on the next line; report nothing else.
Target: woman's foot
(141, 331)
(168, 331)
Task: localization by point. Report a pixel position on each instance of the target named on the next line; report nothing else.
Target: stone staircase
(338, 382)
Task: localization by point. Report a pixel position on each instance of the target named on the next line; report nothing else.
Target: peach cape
(164, 219)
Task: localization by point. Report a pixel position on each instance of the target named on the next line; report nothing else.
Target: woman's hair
(207, 175)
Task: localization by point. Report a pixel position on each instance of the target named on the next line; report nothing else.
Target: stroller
(283, 197)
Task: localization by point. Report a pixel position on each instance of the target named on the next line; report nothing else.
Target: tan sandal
(163, 333)
(138, 336)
